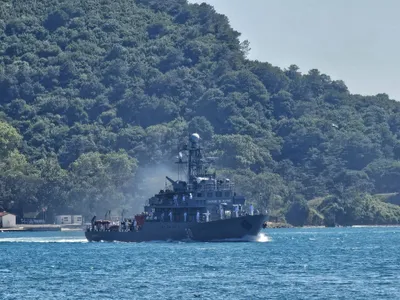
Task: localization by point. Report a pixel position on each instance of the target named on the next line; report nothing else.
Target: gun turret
(178, 185)
(170, 180)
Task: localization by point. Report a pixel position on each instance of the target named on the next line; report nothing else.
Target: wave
(42, 240)
(263, 238)
(260, 238)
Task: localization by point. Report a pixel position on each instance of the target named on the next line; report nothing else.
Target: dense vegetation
(96, 95)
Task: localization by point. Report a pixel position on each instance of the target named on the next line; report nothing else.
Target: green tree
(9, 139)
(79, 83)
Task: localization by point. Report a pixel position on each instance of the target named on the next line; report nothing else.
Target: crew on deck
(207, 214)
(136, 223)
(170, 215)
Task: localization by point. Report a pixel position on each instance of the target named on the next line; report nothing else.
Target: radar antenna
(196, 163)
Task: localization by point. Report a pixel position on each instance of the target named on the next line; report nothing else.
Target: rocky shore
(278, 225)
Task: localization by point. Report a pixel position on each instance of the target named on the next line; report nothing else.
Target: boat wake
(42, 240)
(263, 238)
(260, 238)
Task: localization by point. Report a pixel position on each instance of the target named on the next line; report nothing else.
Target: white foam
(260, 238)
(263, 238)
(42, 240)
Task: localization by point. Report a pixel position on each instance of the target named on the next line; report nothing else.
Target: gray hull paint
(235, 229)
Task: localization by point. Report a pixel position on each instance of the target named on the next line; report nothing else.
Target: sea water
(318, 263)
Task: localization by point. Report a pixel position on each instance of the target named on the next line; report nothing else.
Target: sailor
(198, 217)
(183, 199)
(251, 210)
(134, 224)
(237, 211)
(93, 221)
(176, 200)
(221, 212)
(185, 216)
(207, 216)
(190, 196)
(170, 215)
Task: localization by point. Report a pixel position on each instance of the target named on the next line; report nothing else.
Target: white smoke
(149, 180)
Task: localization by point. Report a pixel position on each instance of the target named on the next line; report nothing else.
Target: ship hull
(245, 228)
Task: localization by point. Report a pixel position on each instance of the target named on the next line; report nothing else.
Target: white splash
(260, 238)
(263, 238)
(41, 240)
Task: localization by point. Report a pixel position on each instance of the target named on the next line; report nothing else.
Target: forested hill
(96, 95)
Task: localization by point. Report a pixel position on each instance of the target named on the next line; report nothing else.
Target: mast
(195, 166)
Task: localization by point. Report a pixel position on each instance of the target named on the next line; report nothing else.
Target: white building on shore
(7, 220)
(69, 220)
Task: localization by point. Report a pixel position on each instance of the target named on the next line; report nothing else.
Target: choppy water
(337, 263)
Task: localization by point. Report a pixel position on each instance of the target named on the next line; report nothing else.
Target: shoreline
(273, 225)
(269, 225)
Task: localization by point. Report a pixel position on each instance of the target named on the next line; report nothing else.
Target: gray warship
(201, 208)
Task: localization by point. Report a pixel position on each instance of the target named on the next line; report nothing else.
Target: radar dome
(195, 137)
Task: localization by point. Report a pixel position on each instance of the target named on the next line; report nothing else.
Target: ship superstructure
(202, 193)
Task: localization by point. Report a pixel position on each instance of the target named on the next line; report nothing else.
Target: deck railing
(206, 187)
